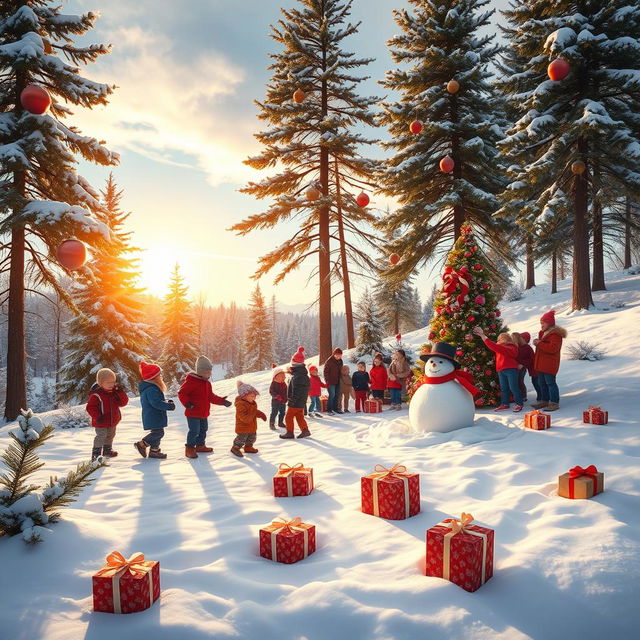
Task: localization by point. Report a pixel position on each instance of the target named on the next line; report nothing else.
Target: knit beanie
(313, 368)
(549, 317)
(203, 366)
(245, 389)
(103, 374)
(149, 371)
(526, 336)
(298, 356)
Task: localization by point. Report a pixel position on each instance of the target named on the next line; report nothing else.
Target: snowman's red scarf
(463, 377)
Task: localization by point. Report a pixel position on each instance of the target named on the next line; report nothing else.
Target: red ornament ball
(443, 332)
(478, 267)
(480, 300)
(398, 337)
(477, 367)
(363, 199)
(479, 402)
(492, 327)
(492, 315)
(498, 313)
(467, 254)
(415, 126)
(298, 96)
(35, 99)
(485, 285)
(487, 372)
(72, 254)
(431, 335)
(459, 353)
(394, 258)
(474, 249)
(578, 167)
(471, 319)
(453, 86)
(558, 69)
(447, 164)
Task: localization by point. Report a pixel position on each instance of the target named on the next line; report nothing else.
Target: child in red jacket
(378, 377)
(525, 363)
(315, 390)
(196, 394)
(506, 366)
(105, 400)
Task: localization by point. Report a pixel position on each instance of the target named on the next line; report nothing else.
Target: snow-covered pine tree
(258, 344)
(588, 117)
(466, 300)
(370, 329)
(440, 42)
(108, 331)
(314, 145)
(43, 200)
(178, 331)
(395, 300)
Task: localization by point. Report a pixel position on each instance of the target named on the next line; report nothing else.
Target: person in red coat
(525, 363)
(546, 362)
(196, 395)
(378, 377)
(507, 367)
(105, 399)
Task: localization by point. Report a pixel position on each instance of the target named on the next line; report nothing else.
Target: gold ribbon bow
(381, 471)
(117, 565)
(460, 526)
(279, 525)
(283, 467)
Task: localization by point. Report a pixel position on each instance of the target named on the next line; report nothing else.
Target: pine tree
(396, 303)
(370, 329)
(43, 200)
(258, 336)
(457, 311)
(178, 331)
(315, 143)
(441, 43)
(109, 330)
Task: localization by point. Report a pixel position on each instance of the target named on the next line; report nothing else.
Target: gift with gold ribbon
(126, 585)
(581, 484)
(537, 420)
(460, 552)
(372, 405)
(392, 493)
(289, 481)
(595, 415)
(287, 541)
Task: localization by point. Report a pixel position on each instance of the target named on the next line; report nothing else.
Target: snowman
(444, 399)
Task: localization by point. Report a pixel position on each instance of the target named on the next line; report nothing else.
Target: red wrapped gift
(323, 402)
(292, 481)
(287, 541)
(393, 493)
(537, 420)
(372, 405)
(460, 552)
(126, 586)
(579, 483)
(595, 415)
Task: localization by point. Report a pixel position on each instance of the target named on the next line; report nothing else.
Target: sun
(156, 265)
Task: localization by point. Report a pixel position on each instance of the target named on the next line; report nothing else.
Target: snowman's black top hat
(441, 350)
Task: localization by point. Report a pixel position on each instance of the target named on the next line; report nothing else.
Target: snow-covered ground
(562, 567)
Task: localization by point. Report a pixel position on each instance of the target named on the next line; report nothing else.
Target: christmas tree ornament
(578, 167)
(72, 254)
(298, 96)
(398, 337)
(394, 258)
(453, 86)
(480, 300)
(35, 99)
(498, 313)
(447, 164)
(558, 69)
(471, 319)
(459, 353)
(363, 199)
(415, 127)
(467, 254)
(478, 267)
(313, 194)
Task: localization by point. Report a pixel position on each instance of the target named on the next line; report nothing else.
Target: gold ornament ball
(453, 86)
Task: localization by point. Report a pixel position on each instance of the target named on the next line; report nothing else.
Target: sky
(183, 120)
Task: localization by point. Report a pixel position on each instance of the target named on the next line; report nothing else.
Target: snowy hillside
(561, 566)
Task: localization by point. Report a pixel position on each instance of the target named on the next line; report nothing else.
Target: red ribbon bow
(576, 472)
(451, 281)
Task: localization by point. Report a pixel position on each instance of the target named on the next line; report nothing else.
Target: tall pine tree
(370, 329)
(258, 334)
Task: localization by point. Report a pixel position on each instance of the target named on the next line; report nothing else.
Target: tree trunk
(598, 283)
(458, 209)
(554, 272)
(531, 267)
(58, 314)
(581, 298)
(627, 234)
(346, 283)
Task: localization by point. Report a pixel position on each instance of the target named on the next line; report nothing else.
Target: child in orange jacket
(247, 413)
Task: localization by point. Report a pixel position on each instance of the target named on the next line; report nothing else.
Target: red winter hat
(526, 336)
(549, 317)
(313, 368)
(298, 356)
(149, 371)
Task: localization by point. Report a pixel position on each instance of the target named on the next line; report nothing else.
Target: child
(346, 389)
(507, 367)
(196, 394)
(105, 400)
(246, 420)
(525, 362)
(154, 410)
(315, 389)
(297, 394)
(360, 382)
(378, 377)
(278, 393)
(399, 371)
(546, 362)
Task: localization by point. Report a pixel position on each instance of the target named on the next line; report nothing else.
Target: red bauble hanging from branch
(394, 258)
(415, 126)
(558, 69)
(447, 164)
(363, 199)
(298, 96)
(578, 167)
(72, 254)
(453, 86)
(35, 99)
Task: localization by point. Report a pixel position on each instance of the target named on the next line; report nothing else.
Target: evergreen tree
(458, 310)
(441, 43)
(314, 142)
(178, 331)
(396, 303)
(43, 200)
(109, 330)
(370, 330)
(258, 334)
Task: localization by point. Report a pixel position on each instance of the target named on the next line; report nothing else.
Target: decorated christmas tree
(466, 300)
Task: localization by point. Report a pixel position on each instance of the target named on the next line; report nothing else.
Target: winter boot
(155, 452)
(108, 452)
(237, 451)
(96, 452)
(305, 433)
(553, 406)
(539, 405)
(202, 448)
(248, 448)
(287, 435)
(190, 452)
(272, 426)
(141, 447)
(281, 425)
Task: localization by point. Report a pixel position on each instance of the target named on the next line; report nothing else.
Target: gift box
(537, 420)
(287, 541)
(460, 552)
(580, 484)
(393, 493)
(126, 586)
(292, 481)
(372, 405)
(595, 415)
(323, 402)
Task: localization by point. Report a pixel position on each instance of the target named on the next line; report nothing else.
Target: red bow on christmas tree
(452, 279)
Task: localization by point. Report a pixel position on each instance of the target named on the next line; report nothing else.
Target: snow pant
(153, 437)
(343, 402)
(277, 411)
(536, 386)
(315, 405)
(361, 397)
(243, 439)
(296, 413)
(549, 391)
(508, 380)
(396, 396)
(197, 431)
(378, 393)
(521, 385)
(332, 402)
(104, 437)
